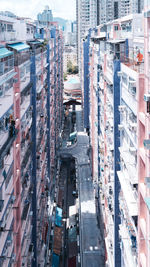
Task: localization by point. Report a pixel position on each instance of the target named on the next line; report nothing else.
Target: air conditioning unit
(5, 254)
(13, 199)
(31, 213)
(121, 108)
(9, 242)
(120, 127)
(2, 226)
(119, 73)
(133, 125)
(132, 149)
(132, 83)
(146, 97)
(13, 257)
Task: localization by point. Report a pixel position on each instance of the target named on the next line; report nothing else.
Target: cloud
(30, 8)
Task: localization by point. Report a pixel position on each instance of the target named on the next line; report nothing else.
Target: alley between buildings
(82, 227)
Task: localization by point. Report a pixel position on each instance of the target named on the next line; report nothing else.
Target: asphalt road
(92, 253)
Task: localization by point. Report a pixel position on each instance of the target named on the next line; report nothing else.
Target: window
(28, 30)
(9, 27)
(8, 84)
(22, 72)
(116, 28)
(1, 90)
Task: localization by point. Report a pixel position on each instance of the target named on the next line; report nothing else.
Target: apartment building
(45, 17)
(31, 84)
(115, 61)
(110, 10)
(69, 55)
(86, 17)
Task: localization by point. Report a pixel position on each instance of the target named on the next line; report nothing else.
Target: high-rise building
(86, 17)
(70, 33)
(110, 10)
(31, 85)
(45, 17)
(116, 116)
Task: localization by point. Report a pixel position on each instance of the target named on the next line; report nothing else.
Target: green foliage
(71, 69)
(65, 76)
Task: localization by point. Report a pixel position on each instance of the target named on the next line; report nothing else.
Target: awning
(58, 218)
(19, 46)
(72, 136)
(57, 244)
(55, 260)
(147, 201)
(41, 40)
(4, 52)
(34, 42)
(116, 41)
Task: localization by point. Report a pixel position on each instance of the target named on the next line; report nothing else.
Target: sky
(30, 8)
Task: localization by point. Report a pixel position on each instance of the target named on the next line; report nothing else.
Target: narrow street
(91, 243)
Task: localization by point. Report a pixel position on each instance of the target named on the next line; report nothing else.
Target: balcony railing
(6, 65)
(22, 57)
(1, 204)
(8, 36)
(9, 141)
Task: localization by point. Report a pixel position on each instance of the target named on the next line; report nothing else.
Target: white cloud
(30, 8)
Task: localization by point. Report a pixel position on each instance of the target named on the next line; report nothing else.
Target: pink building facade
(116, 91)
(31, 85)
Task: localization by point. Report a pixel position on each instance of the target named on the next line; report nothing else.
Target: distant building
(86, 16)
(45, 17)
(70, 33)
(113, 9)
(69, 55)
(7, 14)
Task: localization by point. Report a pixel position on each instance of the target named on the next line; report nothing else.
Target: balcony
(133, 64)
(1, 204)
(25, 105)
(6, 64)
(21, 57)
(6, 102)
(128, 193)
(130, 164)
(109, 249)
(129, 99)
(130, 249)
(25, 210)
(8, 36)
(9, 139)
(25, 82)
(26, 156)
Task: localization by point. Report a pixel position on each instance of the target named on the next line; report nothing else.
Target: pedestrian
(139, 57)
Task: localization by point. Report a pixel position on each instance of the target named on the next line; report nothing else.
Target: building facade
(45, 17)
(116, 116)
(86, 17)
(110, 10)
(31, 89)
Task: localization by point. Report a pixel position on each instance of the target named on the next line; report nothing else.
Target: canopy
(55, 260)
(19, 46)
(58, 218)
(72, 136)
(4, 52)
